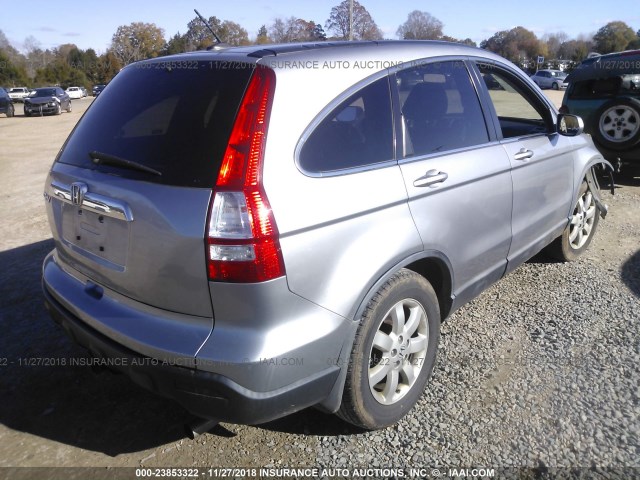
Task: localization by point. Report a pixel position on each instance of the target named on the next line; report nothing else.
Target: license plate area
(95, 234)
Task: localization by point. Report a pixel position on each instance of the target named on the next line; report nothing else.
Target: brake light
(242, 237)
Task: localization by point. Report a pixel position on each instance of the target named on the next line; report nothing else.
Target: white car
(74, 92)
(17, 94)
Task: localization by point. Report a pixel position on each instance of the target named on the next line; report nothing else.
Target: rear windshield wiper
(100, 158)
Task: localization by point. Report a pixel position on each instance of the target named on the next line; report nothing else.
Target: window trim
(328, 110)
(532, 96)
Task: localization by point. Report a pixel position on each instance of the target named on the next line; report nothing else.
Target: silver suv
(256, 230)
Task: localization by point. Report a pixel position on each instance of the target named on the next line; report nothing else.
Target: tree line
(69, 65)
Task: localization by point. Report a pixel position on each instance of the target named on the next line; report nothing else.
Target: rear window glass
(357, 133)
(628, 84)
(175, 118)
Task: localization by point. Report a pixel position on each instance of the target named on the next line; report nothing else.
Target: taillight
(242, 237)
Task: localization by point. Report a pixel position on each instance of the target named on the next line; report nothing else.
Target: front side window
(357, 133)
(440, 108)
(520, 113)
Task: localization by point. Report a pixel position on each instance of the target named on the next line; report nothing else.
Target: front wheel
(58, 109)
(10, 110)
(69, 107)
(578, 234)
(555, 86)
(394, 352)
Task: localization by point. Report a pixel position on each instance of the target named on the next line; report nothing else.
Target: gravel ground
(540, 371)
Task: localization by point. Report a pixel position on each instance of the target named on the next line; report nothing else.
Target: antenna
(208, 26)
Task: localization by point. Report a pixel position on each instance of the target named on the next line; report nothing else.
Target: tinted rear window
(173, 117)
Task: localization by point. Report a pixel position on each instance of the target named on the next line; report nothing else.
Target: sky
(91, 24)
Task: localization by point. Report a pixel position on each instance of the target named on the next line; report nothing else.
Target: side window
(607, 87)
(518, 110)
(440, 108)
(357, 133)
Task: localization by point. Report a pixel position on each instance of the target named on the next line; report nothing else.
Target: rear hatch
(130, 189)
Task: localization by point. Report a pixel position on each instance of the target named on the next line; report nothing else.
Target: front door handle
(523, 155)
(431, 178)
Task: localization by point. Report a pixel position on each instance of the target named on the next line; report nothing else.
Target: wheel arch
(435, 267)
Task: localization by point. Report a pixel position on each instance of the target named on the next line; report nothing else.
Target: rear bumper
(205, 394)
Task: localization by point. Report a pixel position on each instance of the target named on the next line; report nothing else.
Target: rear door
(130, 189)
(457, 176)
(541, 161)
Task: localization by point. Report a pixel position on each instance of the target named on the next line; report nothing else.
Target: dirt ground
(67, 415)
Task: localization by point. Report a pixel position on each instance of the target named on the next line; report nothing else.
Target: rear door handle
(431, 178)
(523, 155)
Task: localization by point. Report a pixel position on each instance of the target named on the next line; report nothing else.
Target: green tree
(176, 44)
(137, 41)
(466, 41)
(11, 75)
(263, 36)
(613, 37)
(420, 26)
(364, 27)
(233, 34)
(635, 43)
(575, 50)
(519, 45)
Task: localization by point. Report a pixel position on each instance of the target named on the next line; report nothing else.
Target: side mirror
(569, 125)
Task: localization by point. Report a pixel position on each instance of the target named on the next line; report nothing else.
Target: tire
(387, 351)
(555, 86)
(26, 114)
(617, 124)
(10, 110)
(59, 109)
(69, 107)
(577, 236)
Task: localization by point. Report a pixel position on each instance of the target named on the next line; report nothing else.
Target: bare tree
(420, 26)
(294, 29)
(364, 28)
(554, 41)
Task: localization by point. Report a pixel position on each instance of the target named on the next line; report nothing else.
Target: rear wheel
(10, 110)
(394, 352)
(578, 234)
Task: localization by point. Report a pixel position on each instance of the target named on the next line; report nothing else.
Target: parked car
(605, 92)
(6, 104)
(555, 79)
(74, 92)
(47, 101)
(251, 241)
(17, 94)
(97, 89)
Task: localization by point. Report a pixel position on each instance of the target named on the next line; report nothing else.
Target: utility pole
(350, 20)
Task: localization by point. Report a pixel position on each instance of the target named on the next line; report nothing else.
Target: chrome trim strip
(94, 202)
